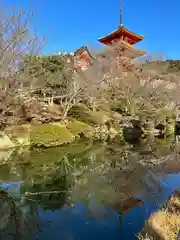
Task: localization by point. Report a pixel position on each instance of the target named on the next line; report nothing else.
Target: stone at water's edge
(132, 133)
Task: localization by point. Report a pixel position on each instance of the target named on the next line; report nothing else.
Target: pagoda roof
(118, 33)
(131, 49)
(134, 53)
(128, 50)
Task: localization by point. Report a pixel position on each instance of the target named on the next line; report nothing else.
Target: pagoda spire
(121, 20)
(123, 38)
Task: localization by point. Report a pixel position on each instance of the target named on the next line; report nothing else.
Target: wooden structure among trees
(82, 58)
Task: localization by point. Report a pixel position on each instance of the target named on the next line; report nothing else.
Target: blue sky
(69, 24)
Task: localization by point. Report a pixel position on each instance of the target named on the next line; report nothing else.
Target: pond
(86, 190)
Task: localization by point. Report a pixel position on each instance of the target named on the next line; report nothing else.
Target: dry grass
(175, 200)
(165, 224)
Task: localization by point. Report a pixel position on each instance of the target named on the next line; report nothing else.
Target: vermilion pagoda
(122, 39)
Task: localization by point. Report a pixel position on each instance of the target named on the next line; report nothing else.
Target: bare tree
(144, 88)
(16, 42)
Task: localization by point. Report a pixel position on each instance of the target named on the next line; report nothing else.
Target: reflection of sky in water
(11, 187)
(77, 224)
(74, 224)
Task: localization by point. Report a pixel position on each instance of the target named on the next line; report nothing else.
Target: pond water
(85, 190)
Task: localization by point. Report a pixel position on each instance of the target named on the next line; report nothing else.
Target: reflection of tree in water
(116, 174)
(14, 223)
(51, 194)
(103, 183)
(115, 178)
(45, 186)
(19, 213)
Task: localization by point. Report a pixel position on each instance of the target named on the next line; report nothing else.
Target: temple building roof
(83, 58)
(121, 33)
(83, 49)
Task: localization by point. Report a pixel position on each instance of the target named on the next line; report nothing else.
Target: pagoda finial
(121, 23)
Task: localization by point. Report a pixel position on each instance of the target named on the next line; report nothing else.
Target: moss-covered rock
(78, 128)
(48, 135)
(84, 114)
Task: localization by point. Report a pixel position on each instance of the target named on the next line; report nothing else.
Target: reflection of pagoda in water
(121, 39)
(122, 207)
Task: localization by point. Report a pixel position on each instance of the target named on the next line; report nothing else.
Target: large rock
(132, 134)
